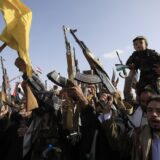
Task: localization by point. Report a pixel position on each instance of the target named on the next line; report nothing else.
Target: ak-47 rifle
(5, 93)
(101, 77)
(104, 79)
(70, 57)
(123, 69)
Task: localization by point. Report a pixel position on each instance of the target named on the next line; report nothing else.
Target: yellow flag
(31, 102)
(18, 20)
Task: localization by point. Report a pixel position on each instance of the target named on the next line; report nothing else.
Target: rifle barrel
(119, 57)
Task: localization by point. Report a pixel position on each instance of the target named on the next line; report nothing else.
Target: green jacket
(142, 144)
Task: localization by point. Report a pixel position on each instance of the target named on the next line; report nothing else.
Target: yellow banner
(18, 20)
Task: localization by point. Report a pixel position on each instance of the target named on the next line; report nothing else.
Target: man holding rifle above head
(98, 128)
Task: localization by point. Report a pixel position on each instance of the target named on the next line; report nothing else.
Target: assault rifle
(43, 96)
(102, 77)
(65, 83)
(5, 93)
(70, 55)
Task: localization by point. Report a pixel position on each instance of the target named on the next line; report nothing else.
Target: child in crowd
(147, 61)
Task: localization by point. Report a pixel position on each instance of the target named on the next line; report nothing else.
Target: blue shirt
(156, 148)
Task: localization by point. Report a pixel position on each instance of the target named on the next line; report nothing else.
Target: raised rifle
(5, 93)
(71, 66)
(123, 69)
(103, 78)
(64, 82)
(96, 66)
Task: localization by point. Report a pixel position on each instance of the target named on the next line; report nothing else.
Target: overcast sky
(104, 25)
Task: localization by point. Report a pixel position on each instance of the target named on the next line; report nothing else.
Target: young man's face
(144, 97)
(153, 114)
(140, 45)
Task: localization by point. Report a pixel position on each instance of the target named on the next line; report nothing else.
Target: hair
(148, 90)
(141, 38)
(103, 90)
(154, 98)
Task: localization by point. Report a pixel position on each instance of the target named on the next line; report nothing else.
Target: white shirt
(139, 118)
(104, 117)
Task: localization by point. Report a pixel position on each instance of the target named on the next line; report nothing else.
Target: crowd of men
(85, 121)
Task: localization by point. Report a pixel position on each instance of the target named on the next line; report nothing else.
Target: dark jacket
(105, 147)
(144, 61)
